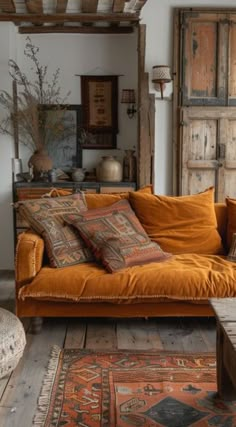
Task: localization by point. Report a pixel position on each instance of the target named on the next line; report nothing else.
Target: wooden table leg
(225, 387)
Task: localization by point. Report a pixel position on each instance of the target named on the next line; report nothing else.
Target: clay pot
(109, 170)
(40, 162)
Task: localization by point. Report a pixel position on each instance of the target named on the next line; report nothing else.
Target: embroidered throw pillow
(116, 236)
(184, 224)
(63, 243)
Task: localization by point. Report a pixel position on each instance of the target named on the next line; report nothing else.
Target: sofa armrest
(29, 256)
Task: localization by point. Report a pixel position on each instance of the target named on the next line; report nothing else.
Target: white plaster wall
(158, 17)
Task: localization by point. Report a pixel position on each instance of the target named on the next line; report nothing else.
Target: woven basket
(12, 341)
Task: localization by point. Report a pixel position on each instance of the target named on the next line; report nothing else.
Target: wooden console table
(225, 311)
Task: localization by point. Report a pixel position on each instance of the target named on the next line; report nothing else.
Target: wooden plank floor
(19, 391)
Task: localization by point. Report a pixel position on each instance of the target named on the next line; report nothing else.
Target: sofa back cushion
(231, 226)
(222, 219)
(116, 236)
(63, 243)
(184, 224)
(95, 200)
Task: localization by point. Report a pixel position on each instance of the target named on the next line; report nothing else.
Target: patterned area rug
(143, 389)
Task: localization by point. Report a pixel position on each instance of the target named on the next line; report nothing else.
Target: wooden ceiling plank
(69, 17)
(34, 6)
(61, 6)
(74, 29)
(89, 6)
(7, 6)
(118, 6)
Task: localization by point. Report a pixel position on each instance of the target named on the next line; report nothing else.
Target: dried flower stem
(30, 118)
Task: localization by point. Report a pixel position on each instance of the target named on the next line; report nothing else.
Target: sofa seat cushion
(189, 277)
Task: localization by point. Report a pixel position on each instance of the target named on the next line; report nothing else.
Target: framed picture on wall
(99, 96)
(61, 132)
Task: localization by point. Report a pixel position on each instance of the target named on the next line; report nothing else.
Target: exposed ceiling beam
(118, 6)
(64, 17)
(74, 29)
(61, 6)
(89, 6)
(7, 6)
(34, 6)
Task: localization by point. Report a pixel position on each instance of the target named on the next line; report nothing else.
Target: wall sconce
(128, 97)
(160, 76)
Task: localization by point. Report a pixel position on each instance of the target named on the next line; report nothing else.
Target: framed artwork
(99, 96)
(61, 125)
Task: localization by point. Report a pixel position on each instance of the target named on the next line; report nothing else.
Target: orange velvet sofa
(87, 290)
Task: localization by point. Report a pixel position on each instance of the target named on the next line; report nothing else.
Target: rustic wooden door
(205, 101)
(208, 140)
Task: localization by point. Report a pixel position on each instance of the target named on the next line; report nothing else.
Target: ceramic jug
(109, 170)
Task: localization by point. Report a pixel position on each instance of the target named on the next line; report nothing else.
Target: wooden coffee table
(225, 311)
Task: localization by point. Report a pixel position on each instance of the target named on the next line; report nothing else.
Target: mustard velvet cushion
(185, 277)
(231, 226)
(116, 236)
(63, 243)
(95, 200)
(185, 224)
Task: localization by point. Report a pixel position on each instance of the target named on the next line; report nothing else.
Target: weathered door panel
(208, 145)
(232, 60)
(199, 164)
(229, 159)
(204, 68)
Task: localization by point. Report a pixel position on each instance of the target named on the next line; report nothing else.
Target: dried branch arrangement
(26, 109)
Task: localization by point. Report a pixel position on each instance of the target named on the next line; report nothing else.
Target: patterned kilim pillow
(63, 243)
(116, 236)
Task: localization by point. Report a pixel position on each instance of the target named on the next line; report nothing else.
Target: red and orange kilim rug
(143, 389)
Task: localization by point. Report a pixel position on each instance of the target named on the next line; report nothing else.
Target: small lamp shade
(161, 75)
(128, 96)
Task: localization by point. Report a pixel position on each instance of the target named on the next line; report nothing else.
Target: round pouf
(12, 341)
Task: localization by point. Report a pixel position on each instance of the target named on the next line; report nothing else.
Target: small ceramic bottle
(129, 166)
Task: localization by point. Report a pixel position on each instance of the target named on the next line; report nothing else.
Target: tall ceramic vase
(40, 162)
(109, 169)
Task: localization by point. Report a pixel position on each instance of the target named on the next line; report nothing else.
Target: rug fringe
(45, 393)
